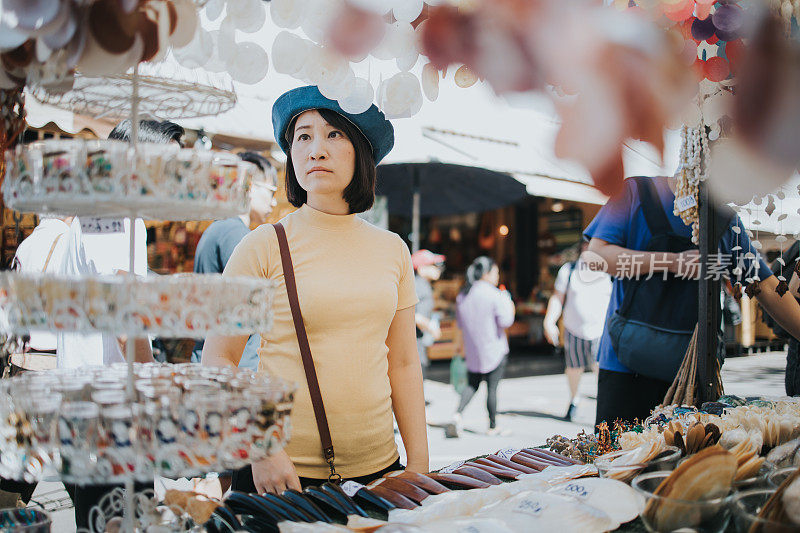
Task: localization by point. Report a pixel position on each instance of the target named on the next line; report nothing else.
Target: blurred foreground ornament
(626, 84)
(46, 41)
(766, 110)
(12, 121)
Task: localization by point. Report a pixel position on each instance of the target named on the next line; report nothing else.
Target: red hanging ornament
(716, 69)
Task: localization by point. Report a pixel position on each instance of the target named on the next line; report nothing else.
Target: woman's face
(493, 276)
(323, 158)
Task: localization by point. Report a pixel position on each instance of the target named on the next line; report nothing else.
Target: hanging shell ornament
(770, 206)
(752, 289)
(782, 288)
(465, 77)
(737, 290)
(691, 172)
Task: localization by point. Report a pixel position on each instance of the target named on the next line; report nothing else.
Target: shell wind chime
(694, 146)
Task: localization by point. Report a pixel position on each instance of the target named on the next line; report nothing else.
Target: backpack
(651, 330)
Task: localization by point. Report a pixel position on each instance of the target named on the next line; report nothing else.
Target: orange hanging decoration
(680, 10)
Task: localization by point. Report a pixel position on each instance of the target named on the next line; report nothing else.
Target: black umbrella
(425, 189)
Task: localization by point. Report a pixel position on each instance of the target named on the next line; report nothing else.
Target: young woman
(356, 293)
(483, 312)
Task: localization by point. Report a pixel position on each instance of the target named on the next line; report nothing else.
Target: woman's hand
(275, 474)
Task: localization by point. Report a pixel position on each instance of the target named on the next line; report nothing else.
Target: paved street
(530, 408)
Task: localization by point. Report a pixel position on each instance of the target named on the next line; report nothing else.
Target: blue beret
(372, 122)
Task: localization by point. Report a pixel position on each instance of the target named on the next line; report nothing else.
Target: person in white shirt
(93, 249)
(580, 297)
(43, 251)
(102, 247)
(95, 253)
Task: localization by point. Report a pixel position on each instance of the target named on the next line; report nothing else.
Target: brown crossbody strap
(305, 352)
(49, 255)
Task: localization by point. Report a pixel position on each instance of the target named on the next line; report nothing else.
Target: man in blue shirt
(221, 237)
(619, 233)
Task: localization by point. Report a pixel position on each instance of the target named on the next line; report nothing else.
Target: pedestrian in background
(428, 267)
(580, 297)
(483, 312)
(42, 251)
(221, 237)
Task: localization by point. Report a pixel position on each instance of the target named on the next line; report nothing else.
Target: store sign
(102, 225)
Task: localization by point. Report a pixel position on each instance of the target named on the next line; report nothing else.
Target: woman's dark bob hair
(360, 193)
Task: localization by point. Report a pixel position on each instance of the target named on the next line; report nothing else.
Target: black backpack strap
(652, 209)
(658, 224)
(725, 216)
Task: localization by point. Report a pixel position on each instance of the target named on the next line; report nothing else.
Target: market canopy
(446, 189)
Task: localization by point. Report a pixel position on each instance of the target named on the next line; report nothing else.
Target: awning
(561, 189)
(39, 115)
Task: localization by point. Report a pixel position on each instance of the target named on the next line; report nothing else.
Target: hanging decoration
(783, 286)
(359, 32)
(691, 171)
(621, 76)
(12, 121)
(753, 289)
(321, 43)
(46, 42)
(219, 50)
